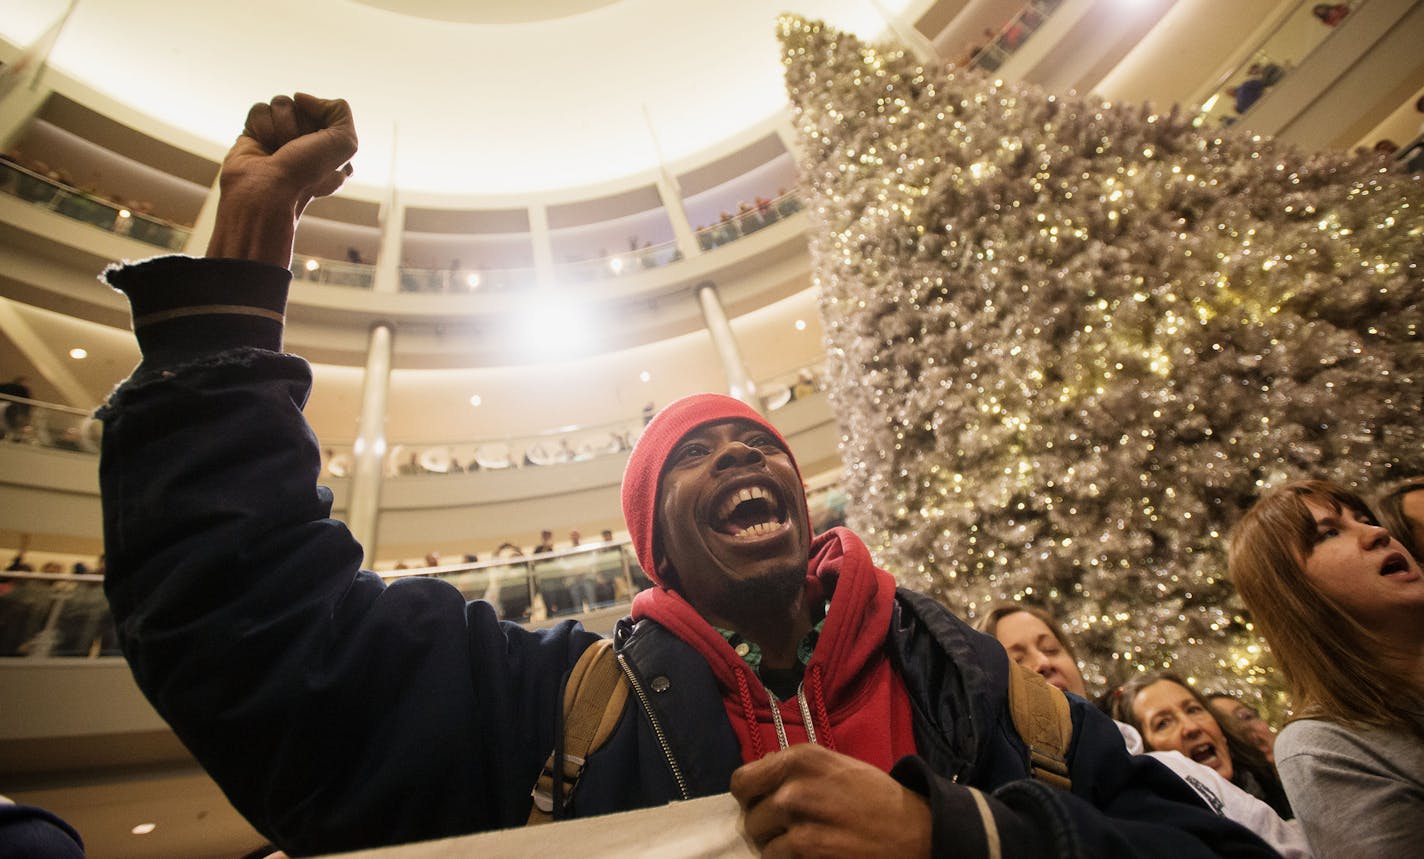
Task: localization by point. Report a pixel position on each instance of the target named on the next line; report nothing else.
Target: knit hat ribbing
(643, 475)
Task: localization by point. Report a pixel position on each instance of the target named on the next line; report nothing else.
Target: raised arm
(291, 151)
(336, 712)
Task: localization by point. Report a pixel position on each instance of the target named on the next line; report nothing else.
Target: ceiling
(498, 97)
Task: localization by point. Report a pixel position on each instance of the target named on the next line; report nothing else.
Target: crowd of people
(1337, 591)
(749, 217)
(843, 714)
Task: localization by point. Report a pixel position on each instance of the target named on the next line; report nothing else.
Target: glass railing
(1298, 34)
(551, 447)
(793, 385)
(463, 281)
(618, 265)
(538, 450)
(1012, 36)
(60, 615)
(332, 272)
(749, 219)
(67, 428)
(48, 425)
(88, 208)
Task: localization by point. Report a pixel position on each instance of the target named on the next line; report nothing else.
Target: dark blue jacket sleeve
(1120, 805)
(336, 712)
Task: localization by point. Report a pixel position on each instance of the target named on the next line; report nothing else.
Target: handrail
(67, 615)
(123, 215)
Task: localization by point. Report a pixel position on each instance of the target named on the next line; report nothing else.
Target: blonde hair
(1330, 660)
(1390, 504)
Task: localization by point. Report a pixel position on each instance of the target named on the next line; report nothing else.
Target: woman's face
(1256, 729)
(1365, 571)
(1173, 720)
(1033, 645)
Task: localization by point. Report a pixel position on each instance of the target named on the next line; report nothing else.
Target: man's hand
(291, 151)
(810, 801)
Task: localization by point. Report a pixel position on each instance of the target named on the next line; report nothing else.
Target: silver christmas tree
(1072, 341)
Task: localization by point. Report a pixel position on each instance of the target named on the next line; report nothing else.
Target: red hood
(849, 664)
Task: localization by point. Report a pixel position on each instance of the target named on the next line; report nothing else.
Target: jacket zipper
(657, 728)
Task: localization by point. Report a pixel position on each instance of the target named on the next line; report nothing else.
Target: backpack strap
(594, 697)
(1044, 723)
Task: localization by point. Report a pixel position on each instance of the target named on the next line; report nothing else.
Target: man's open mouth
(750, 511)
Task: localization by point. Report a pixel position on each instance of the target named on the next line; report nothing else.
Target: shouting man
(338, 712)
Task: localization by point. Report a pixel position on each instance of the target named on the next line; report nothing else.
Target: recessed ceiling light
(313, 265)
(645, 376)
(475, 400)
(78, 353)
(473, 280)
(144, 828)
(800, 325)
(125, 213)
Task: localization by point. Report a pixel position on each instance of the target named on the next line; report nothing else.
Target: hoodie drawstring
(744, 692)
(818, 695)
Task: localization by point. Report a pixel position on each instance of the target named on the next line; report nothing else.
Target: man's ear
(667, 574)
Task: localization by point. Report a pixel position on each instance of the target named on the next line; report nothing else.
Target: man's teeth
(750, 493)
(758, 529)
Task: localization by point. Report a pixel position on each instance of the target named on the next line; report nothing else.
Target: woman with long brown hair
(1341, 603)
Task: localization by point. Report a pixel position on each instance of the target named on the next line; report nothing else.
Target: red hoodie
(857, 702)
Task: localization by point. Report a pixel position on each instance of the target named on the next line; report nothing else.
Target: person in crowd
(509, 550)
(17, 413)
(1341, 603)
(546, 542)
(1035, 640)
(606, 536)
(1230, 710)
(1330, 14)
(342, 712)
(1172, 716)
(1401, 510)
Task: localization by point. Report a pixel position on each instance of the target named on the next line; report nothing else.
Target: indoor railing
(88, 208)
(1012, 35)
(60, 427)
(47, 615)
(1299, 33)
(48, 425)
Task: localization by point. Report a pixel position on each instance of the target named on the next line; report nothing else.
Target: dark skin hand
(291, 151)
(810, 801)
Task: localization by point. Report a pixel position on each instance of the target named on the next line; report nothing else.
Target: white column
(202, 232)
(364, 504)
(671, 196)
(388, 258)
(17, 108)
(543, 244)
(739, 381)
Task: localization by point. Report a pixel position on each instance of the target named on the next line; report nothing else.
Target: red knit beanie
(642, 477)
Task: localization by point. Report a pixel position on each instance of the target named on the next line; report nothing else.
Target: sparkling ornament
(1071, 342)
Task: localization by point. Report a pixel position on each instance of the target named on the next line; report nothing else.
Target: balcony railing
(1299, 33)
(1012, 35)
(751, 219)
(331, 272)
(67, 428)
(48, 425)
(46, 615)
(89, 208)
